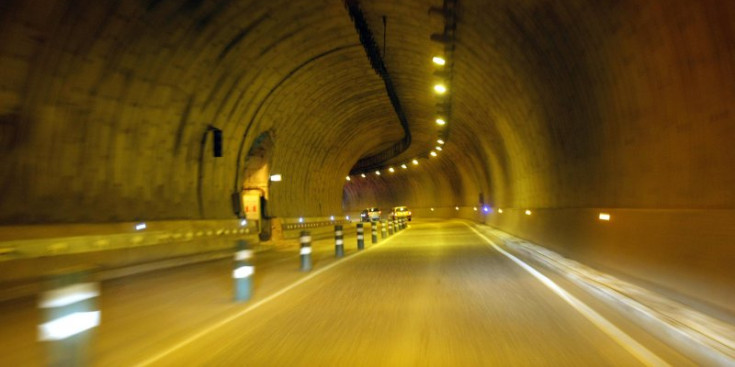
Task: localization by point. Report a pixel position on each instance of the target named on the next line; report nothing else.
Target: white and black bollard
(383, 230)
(360, 237)
(390, 227)
(243, 271)
(396, 222)
(305, 251)
(339, 241)
(70, 313)
(374, 231)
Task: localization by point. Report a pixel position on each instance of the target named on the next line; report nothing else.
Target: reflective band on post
(306, 239)
(68, 295)
(68, 325)
(243, 255)
(243, 272)
(360, 237)
(305, 250)
(337, 233)
(339, 242)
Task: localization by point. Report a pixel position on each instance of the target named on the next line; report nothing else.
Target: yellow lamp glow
(438, 60)
(440, 88)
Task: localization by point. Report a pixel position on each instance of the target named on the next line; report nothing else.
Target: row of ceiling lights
(439, 88)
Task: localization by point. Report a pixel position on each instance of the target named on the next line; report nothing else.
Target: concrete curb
(30, 287)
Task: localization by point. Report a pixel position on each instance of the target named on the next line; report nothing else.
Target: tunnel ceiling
(107, 108)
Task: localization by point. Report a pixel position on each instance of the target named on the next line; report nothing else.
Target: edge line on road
(639, 351)
(207, 330)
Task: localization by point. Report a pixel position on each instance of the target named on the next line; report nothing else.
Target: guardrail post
(70, 313)
(305, 250)
(383, 230)
(243, 271)
(374, 231)
(390, 227)
(360, 237)
(339, 250)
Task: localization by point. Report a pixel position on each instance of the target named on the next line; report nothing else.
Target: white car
(370, 215)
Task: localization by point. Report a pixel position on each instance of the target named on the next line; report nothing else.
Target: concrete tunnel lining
(568, 108)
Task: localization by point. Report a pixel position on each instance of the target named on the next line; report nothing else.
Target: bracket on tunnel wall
(216, 141)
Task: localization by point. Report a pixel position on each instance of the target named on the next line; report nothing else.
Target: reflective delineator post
(339, 241)
(360, 237)
(70, 313)
(305, 250)
(390, 227)
(243, 271)
(383, 230)
(374, 231)
(397, 223)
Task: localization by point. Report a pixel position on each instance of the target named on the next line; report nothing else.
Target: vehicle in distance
(370, 214)
(400, 212)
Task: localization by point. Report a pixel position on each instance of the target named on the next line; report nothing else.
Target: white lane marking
(644, 355)
(252, 307)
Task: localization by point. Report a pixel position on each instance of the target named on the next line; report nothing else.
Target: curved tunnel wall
(589, 107)
(567, 108)
(105, 107)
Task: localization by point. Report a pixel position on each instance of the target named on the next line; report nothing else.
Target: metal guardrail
(78, 244)
(292, 226)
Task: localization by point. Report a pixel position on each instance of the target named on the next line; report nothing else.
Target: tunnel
(599, 130)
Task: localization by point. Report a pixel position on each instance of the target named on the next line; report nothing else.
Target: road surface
(436, 294)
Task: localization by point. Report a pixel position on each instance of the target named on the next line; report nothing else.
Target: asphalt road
(436, 294)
